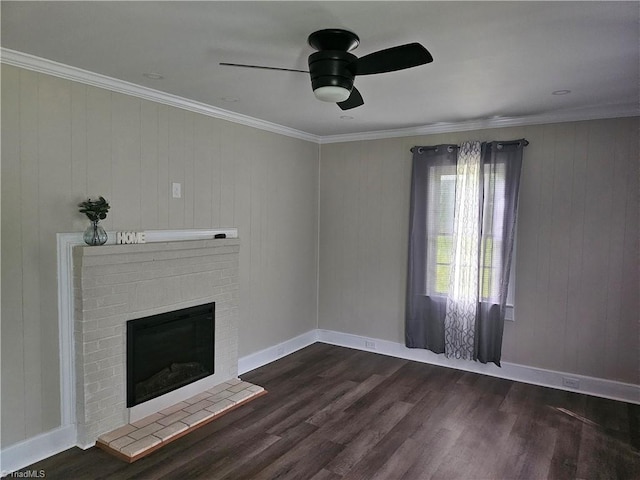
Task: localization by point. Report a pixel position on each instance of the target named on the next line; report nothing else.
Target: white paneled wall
(577, 258)
(63, 141)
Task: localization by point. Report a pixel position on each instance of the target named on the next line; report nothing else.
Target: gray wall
(577, 262)
(577, 253)
(63, 141)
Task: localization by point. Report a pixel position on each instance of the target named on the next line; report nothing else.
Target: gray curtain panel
(430, 233)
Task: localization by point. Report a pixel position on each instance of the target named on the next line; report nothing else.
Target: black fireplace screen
(168, 351)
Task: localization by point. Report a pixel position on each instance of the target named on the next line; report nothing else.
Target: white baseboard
(271, 354)
(47, 444)
(36, 448)
(598, 387)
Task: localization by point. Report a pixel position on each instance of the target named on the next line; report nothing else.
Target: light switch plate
(176, 190)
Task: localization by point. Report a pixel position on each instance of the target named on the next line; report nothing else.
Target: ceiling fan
(333, 69)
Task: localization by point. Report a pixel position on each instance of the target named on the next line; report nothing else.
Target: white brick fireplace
(117, 283)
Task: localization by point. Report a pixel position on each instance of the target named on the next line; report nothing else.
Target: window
(439, 241)
(441, 199)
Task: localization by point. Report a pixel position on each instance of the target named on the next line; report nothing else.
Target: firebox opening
(168, 351)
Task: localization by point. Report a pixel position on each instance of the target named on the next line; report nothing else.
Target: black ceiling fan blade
(354, 100)
(392, 59)
(262, 67)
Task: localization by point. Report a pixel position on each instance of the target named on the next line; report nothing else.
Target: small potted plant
(95, 210)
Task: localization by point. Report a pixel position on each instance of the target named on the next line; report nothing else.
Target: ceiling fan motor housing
(331, 68)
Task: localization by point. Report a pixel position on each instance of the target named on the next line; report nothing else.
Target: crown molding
(49, 67)
(617, 111)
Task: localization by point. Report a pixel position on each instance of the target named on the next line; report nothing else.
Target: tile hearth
(136, 440)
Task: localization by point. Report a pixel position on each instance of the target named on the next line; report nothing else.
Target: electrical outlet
(571, 383)
(369, 344)
(176, 190)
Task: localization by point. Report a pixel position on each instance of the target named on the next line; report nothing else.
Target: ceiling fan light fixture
(332, 93)
(332, 69)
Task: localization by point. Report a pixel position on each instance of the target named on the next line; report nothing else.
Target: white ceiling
(493, 61)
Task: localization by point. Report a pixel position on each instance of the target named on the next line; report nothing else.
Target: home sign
(125, 238)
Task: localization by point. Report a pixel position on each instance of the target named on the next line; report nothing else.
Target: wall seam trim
(318, 211)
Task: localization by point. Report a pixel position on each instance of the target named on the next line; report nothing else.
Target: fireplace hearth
(168, 351)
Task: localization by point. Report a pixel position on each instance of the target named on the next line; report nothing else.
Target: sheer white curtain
(463, 295)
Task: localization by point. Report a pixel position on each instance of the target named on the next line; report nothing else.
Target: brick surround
(117, 283)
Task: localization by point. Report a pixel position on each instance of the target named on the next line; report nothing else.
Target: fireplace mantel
(117, 283)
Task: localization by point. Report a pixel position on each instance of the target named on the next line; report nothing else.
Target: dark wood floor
(335, 413)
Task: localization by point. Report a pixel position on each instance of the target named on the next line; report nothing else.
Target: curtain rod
(513, 142)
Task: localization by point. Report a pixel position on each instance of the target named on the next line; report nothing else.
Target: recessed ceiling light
(560, 92)
(153, 76)
(230, 99)
(346, 117)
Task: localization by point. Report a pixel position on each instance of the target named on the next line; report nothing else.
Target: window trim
(510, 311)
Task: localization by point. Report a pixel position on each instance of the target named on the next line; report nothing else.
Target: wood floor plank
(433, 454)
(368, 437)
(326, 475)
(333, 413)
(564, 461)
(401, 460)
(249, 470)
(539, 449)
(302, 411)
(209, 464)
(633, 412)
(362, 365)
(602, 456)
(316, 451)
(321, 416)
